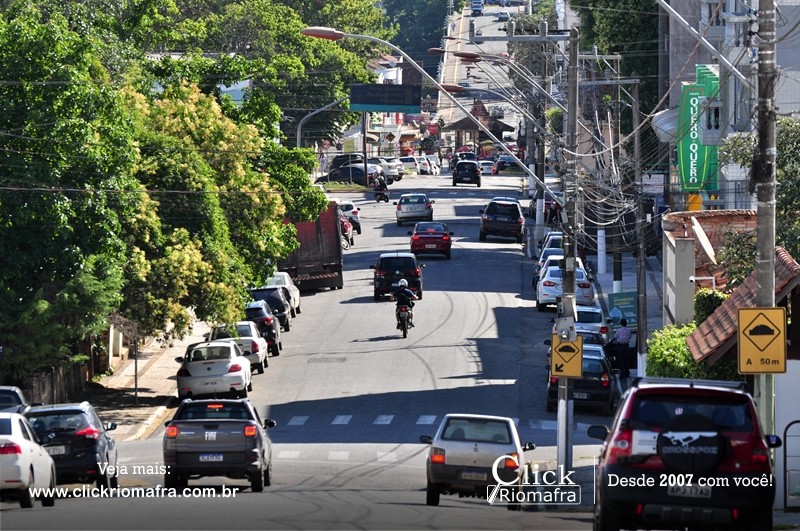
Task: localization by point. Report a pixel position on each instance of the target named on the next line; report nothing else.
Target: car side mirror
(547, 342)
(433, 201)
(179, 359)
(773, 441)
(372, 267)
(480, 211)
(269, 423)
(394, 202)
(422, 266)
(426, 439)
(206, 336)
(528, 446)
(410, 233)
(111, 426)
(246, 353)
(597, 432)
(451, 233)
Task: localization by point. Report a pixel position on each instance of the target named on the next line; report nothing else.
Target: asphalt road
(351, 396)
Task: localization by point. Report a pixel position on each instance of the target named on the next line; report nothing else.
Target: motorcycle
(381, 195)
(404, 315)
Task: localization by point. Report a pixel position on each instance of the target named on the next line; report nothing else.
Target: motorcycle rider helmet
(403, 283)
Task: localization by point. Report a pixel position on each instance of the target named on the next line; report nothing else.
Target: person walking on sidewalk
(622, 337)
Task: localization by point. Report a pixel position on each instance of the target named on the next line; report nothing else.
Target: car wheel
(49, 501)
(345, 243)
(551, 406)
(268, 475)
(419, 294)
(399, 222)
(432, 494)
(240, 394)
(479, 184)
(376, 296)
(274, 350)
(114, 480)
(604, 519)
(447, 255)
(261, 366)
(293, 313)
(288, 325)
(25, 496)
(257, 481)
(352, 241)
(170, 480)
(519, 238)
(102, 482)
(539, 305)
(250, 385)
(482, 236)
(454, 183)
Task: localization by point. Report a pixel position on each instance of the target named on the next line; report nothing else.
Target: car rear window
(655, 410)
(214, 410)
(475, 430)
(243, 330)
(58, 421)
(252, 313)
(397, 263)
(592, 366)
(9, 399)
(496, 209)
(210, 353)
(5, 426)
(589, 317)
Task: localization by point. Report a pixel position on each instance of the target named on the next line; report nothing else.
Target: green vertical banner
(693, 156)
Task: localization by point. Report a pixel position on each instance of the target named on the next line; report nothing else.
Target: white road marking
(342, 419)
(297, 421)
(383, 419)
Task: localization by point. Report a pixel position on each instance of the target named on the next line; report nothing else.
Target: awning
(665, 124)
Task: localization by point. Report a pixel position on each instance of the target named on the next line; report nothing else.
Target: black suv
(278, 299)
(684, 453)
(78, 442)
(467, 171)
(345, 159)
(268, 324)
(391, 267)
(502, 218)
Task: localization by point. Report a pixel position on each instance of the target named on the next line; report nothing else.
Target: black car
(268, 324)
(391, 267)
(502, 218)
(596, 386)
(347, 174)
(467, 171)
(345, 159)
(78, 441)
(505, 162)
(278, 299)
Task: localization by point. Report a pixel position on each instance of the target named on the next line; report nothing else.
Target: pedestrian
(622, 337)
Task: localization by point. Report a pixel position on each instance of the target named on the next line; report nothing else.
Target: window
(477, 430)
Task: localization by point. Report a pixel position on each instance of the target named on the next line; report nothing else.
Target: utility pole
(564, 420)
(764, 181)
(641, 259)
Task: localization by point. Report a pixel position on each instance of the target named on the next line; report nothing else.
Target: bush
(706, 301)
(668, 356)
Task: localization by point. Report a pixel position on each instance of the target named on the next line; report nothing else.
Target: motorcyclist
(381, 187)
(404, 297)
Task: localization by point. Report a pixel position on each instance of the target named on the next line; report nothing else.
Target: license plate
(474, 476)
(430, 246)
(501, 218)
(689, 491)
(403, 315)
(395, 284)
(209, 382)
(56, 450)
(210, 458)
(580, 396)
(467, 178)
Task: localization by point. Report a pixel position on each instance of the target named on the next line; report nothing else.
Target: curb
(149, 425)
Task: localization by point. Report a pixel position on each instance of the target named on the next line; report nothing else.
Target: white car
(424, 165)
(414, 207)
(281, 278)
(254, 346)
(551, 239)
(397, 163)
(214, 368)
(486, 166)
(550, 288)
(436, 168)
(390, 171)
(24, 463)
(463, 452)
(411, 164)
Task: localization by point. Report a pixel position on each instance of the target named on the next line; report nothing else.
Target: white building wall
(787, 398)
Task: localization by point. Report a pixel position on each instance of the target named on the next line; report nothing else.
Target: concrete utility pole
(569, 241)
(764, 181)
(641, 274)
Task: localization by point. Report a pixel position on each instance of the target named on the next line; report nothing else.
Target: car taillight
(379, 273)
(554, 380)
(250, 431)
(605, 381)
(512, 461)
(520, 221)
(254, 347)
(584, 285)
(235, 368)
(398, 208)
(603, 329)
(90, 432)
(417, 272)
(184, 372)
(10, 448)
(415, 238)
(445, 237)
(620, 446)
(171, 432)
(484, 218)
(760, 451)
(548, 283)
(427, 205)
(437, 456)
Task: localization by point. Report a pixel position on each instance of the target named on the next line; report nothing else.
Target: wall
(785, 412)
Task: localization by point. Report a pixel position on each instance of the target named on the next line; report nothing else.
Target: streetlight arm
(305, 118)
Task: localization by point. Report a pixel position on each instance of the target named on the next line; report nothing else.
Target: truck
(217, 438)
(318, 262)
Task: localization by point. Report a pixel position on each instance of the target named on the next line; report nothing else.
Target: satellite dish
(702, 239)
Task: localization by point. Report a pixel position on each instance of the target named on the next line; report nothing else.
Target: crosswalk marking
(342, 419)
(426, 419)
(297, 421)
(288, 454)
(384, 419)
(338, 456)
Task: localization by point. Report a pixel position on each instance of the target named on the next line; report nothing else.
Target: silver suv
(464, 451)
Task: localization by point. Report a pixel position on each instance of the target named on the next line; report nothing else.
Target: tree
(668, 356)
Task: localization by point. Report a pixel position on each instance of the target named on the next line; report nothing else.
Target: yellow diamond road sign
(762, 340)
(566, 359)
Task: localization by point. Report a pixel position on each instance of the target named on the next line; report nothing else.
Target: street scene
(509, 291)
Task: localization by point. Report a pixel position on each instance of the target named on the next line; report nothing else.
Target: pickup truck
(12, 400)
(217, 438)
(253, 345)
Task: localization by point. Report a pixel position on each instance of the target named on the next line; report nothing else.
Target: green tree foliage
(737, 258)
(706, 301)
(668, 356)
(423, 24)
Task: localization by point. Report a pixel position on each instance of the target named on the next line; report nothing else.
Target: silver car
(463, 453)
(212, 368)
(414, 207)
(550, 288)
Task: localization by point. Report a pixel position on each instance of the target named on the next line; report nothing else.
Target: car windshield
(5, 426)
(244, 330)
(497, 209)
(397, 263)
(276, 281)
(430, 227)
(477, 430)
(592, 366)
(656, 410)
(256, 311)
(215, 410)
(416, 200)
(58, 421)
(210, 353)
(589, 317)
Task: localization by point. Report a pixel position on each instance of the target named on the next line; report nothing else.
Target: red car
(431, 237)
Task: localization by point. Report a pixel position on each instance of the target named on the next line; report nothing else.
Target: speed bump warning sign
(762, 340)
(566, 358)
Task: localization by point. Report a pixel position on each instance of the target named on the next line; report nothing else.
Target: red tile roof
(717, 335)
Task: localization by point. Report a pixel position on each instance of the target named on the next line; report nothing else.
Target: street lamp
(322, 32)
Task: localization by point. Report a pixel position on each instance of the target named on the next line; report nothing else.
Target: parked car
(551, 240)
(550, 257)
(435, 163)
(214, 368)
(389, 170)
(245, 333)
(269, 326)
(278, 299)
(503, 16)
(431, 237)
(502, 218)
(688, 431)
(424, 164)
(550, 288)
(352, 213)
(346, 159)
(80, 444)
(485, 167)
(411, 164)
(463, 451)
(593, 318)
(281, 278)
(13, 400)
(391, 267)
(595, 388)
(24, 463)
(353, 173)
(398, 164)
(217, 438)
(467, 171)
(413, 207)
